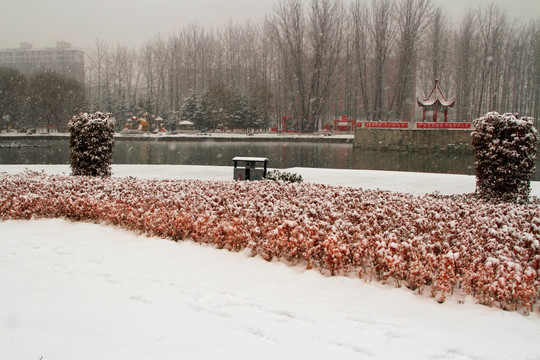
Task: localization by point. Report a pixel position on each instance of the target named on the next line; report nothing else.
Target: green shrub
(505, 149)
(91, 144)
(277, 175)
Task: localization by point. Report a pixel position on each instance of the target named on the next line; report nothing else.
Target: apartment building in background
(63, 59)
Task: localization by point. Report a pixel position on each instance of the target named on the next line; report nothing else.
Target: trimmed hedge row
(440, 244)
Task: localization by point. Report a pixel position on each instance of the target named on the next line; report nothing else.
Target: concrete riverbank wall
(213, 137)
(413, 139)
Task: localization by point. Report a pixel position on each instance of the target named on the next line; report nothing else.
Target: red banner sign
(431, 125)
(386, 125)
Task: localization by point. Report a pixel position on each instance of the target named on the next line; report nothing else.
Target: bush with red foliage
(445, 244)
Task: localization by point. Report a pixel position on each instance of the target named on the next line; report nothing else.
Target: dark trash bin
(249, 168)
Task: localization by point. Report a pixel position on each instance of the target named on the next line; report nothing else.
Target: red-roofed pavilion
(436, 102)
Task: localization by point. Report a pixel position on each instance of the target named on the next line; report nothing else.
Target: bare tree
(325, 37)
(232, 38)
(438, 40)
(535, 45)
(362, 51)
(97, 64)
(161, 59)
(274, 71)
(411, 19)
(173, 50)
(310, 49)
(146, 64)
(289, 31)
(201, 64)
(382, 33)
(491, 30)
(526, 70)
(434, 53)
(464, 72)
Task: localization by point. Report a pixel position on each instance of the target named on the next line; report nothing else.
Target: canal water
(281, 155)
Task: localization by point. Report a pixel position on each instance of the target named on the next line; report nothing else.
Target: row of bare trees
(316, 60)
(44, 99)
(496, 65)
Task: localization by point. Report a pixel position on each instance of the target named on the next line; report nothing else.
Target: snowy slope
(85, 291)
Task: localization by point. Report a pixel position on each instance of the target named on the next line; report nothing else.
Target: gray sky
(132, 22)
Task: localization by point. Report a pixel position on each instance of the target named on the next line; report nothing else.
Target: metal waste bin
(249, 168)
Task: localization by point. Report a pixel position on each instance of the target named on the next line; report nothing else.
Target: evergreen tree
(191, 109)
(204, 112)
(12, 95)
(505, 149)
(53, 97)
(91, 144)
(239, 111)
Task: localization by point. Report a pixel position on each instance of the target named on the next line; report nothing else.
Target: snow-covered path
(84, 291)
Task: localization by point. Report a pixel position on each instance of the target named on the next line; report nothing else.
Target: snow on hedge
(438, 245)
(91, 143)
(505, 148)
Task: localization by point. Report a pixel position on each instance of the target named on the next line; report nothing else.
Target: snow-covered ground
(415, 183)
(85, 291)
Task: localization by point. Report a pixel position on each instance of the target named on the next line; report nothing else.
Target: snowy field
(85, 291)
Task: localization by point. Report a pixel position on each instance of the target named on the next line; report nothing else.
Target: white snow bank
(411, 182)
(84, 291)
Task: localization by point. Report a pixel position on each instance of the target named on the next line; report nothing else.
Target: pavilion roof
(436, 98)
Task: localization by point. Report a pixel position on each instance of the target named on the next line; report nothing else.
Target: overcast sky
(132, 22)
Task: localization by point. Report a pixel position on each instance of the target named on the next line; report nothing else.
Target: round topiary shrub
(91, 144)
(505, 149)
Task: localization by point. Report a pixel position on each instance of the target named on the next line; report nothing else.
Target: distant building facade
(62, 59)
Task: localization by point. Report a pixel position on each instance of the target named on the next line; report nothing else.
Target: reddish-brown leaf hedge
(445, 244)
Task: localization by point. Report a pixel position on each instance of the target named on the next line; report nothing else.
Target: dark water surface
(281, 155)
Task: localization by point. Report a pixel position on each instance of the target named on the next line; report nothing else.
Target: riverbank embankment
(216, 137)
(414, 139)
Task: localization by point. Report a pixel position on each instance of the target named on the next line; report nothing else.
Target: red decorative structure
(436, 102)
(346, 124)
(447, 125)
(290, 124)
(386, 125)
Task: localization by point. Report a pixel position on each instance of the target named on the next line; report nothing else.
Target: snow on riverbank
(411, 182)
(85, 291)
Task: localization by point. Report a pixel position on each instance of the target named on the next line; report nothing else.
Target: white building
(62, 59)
